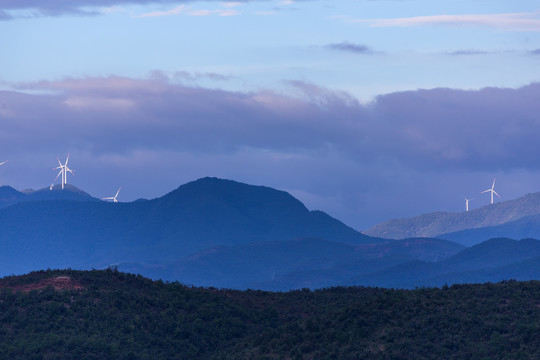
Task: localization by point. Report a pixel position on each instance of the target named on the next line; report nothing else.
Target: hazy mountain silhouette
(438, 223)
(493, 260)
(525, 227)
(284, 265)
(205, 213)
(222, 233)
(9, 196)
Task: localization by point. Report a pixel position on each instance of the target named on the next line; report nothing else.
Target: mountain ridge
(198, 215)
(10, 196)
(107, 314)
(439, 223)
(488, 258)
(218, 232)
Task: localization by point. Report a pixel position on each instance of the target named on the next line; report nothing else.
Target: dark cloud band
(492, 128)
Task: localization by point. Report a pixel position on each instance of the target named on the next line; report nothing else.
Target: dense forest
(66, 314)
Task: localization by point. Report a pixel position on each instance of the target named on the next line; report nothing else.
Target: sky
(365, 109)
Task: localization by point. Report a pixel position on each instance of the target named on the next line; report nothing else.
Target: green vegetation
(109, 314)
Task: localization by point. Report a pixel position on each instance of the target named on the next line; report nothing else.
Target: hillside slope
(112, 315)
(435, 224)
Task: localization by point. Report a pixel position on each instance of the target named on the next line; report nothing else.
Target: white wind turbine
(492, 191)
(113, 198)
(467, 204)
(63, 171)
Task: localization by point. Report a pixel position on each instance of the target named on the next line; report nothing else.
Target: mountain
(493, 260)
(294, 264)
(9, 196)
(438, 223)
(222, 233)
(525, 227)
(112, 315)
(199, 215)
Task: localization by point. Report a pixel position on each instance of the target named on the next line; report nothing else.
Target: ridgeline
(109, 314)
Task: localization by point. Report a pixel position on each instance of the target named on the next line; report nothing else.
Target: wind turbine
(492, 191)
(63, 171)
(113, 198)
(2, 163)
(467, 204)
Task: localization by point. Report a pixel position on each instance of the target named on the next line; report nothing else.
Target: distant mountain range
(222, 233)
(199, 215)
(294, 264)
(9, 196)
(491, 261)
(515, 219)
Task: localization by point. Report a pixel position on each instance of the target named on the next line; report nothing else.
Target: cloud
(5, 16)
(535, 52)
(195, 76)
(91, 7)
(350, 47)
(488, 128)
(182, 9)
(175, 11)
(506, 21)
(469, 52)
(151, 135)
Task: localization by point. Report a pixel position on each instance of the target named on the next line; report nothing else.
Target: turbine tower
(113, 198)
(63, 171)
(467, 204)
(492, 191)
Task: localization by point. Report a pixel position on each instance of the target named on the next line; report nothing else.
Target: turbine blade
(485, 191)
(2, 163)
(58, 174)
(118, 191)
(496, 193)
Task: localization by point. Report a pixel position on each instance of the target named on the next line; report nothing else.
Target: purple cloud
(350, 47)
(488, 128)
(77, 7)
(5, 16)
(469, 52)
(195, 76)
(535, 52)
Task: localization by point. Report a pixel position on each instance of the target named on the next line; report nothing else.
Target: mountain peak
(55, 192)
(9, 196)
(7, 193)
(215, 191)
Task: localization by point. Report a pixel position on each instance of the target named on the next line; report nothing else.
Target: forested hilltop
(108, 314)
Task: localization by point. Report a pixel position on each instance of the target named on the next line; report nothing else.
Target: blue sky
(364, 109)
